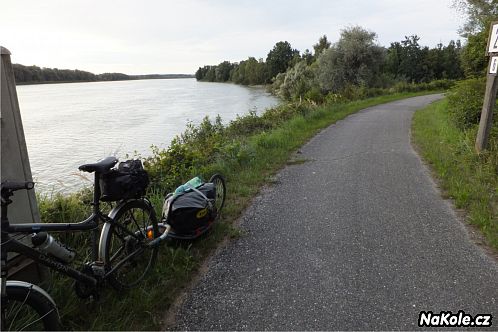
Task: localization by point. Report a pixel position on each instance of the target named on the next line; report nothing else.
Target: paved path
(356, 238)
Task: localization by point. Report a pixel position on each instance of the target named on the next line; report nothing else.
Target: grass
(248, 161)
(469, 179)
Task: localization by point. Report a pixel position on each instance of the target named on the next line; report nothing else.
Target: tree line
(35, 74)
(354, 60)
(357, 61)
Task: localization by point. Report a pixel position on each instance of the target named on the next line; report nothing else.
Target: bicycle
(126, 251)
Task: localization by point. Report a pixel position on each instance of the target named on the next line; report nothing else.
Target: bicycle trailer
(191, 210)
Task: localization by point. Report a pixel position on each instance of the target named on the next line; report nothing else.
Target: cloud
(179, 36)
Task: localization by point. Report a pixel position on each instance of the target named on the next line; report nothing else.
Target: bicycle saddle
(100, 167)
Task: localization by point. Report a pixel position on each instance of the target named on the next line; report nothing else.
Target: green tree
(473, 56)
(280, 58)
(452, 68)
(210, 74)
(297, 81)
(412, 59)
(321, 46)
(480, 14)
(354, 60)
(307, 56)
(222, 71)
(255, 71)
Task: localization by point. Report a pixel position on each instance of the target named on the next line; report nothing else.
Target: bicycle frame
(10, 244)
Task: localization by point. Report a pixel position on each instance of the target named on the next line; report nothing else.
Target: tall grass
(470, 179)
(247, 152)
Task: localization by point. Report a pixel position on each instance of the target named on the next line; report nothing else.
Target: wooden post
(491, 90)
(487, 112)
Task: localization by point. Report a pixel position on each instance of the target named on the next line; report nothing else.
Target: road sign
(493, 66)
(493, 39)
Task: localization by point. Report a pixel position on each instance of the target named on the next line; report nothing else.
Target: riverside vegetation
(250, 149)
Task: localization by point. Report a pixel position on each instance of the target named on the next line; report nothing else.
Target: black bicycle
(123, 254)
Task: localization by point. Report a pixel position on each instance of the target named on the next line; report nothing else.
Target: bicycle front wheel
(26, 307)
(125, 244)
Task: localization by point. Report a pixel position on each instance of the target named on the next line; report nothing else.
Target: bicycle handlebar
(8, 188)
(17, 185)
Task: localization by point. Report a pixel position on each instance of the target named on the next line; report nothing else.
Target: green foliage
(474, 59)
(34, 74)
(250, 72)
(280, 58)
(297, 81)
(353, 68)
(480, 13)
(29, 74)
(407, 61)
(223, 70)
(247, 72)
(322, 45)
(354, 60)
(465, 102)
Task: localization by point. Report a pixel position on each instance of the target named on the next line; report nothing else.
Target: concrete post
(15, 166)
(14, 154)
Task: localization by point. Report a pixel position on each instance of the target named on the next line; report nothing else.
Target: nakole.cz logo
(449, 319)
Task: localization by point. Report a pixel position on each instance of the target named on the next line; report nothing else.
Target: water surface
(67, 125)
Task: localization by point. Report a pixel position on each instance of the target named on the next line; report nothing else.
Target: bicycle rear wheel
(219, 184)
(26, 307)
(125, 244)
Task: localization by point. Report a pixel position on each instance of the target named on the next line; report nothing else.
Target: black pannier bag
(192, 209)
(129, 180)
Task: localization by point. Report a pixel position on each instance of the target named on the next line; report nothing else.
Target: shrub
(465, 102)
(315, 95)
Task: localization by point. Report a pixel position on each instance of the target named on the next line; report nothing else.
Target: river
(67, 125)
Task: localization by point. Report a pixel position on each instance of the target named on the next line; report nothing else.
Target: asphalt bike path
(357, 237)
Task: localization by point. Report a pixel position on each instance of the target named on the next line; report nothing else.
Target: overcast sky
(153, 36)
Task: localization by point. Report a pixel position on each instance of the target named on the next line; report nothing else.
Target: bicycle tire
(27, 307)
(139, 218)
(219, 184)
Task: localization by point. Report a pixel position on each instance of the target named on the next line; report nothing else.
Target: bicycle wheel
(219, 184)
(125, 244)
(26, 307)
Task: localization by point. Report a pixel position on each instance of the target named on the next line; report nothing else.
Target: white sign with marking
(493, 40)
(493, 67)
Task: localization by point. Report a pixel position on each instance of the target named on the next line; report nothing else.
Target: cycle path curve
(356, 238)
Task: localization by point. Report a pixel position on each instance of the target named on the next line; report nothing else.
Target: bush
(465, 103)
(414, 87)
